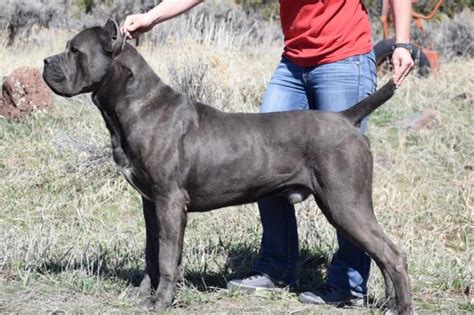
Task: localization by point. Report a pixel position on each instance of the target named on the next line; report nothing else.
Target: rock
(24, 91)
(426, 118)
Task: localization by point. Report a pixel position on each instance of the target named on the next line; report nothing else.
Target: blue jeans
(328, 87)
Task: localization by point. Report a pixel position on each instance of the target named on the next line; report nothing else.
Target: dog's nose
(47, 61)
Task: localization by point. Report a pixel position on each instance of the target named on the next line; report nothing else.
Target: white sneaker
(255, 283)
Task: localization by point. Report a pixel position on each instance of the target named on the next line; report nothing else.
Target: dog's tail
(362, 109)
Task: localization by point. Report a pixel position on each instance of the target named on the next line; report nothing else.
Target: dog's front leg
(171, 215)
(152, 272)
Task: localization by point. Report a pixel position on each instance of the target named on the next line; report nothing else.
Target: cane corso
(184, 156)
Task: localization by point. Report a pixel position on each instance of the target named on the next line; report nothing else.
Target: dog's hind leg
(391, 299)
(366, 233)
(342, 186)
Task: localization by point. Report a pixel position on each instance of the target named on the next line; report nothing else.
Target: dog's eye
(73, 49)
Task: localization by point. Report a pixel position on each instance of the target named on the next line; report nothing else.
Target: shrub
(19, 17)
(118, 9)
(267, 9)
(455, 37)
(222, 25)
(194, 79)
(449, 7)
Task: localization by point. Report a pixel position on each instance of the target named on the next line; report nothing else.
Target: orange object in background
(433, 58)
(386, 19)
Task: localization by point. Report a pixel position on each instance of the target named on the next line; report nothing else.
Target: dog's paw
(144, 290)
(394, 311)
(147, 304)
(390, 307)
(145, 287)
(152, 303)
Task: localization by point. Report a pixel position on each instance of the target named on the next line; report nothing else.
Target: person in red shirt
(327, 64)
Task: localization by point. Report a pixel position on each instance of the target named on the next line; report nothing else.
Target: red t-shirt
(323, 31)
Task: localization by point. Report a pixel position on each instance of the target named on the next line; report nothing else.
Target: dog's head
(85, 62)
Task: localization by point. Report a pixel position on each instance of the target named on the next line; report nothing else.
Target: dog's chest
(126, 167)
(133, 180)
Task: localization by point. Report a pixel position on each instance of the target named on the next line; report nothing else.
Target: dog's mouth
(55, 80)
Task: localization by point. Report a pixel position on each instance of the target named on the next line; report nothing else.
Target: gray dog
(184, 156)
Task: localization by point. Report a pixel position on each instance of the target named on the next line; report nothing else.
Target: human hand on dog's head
(136, 24)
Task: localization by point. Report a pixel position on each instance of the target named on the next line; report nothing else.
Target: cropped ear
(115, 39)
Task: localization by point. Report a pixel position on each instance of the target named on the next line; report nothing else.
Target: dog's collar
(122, 46)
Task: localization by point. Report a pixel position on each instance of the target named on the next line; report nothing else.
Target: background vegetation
(71, 229)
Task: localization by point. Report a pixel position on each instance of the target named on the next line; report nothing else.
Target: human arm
(401, 57)
(140, 23)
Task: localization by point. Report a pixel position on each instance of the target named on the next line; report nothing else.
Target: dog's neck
(123, 103)
(117, 90)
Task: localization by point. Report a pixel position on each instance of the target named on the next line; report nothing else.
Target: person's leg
(336, 87)
(279, 249)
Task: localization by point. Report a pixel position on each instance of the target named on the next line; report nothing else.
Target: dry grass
(72, 233)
